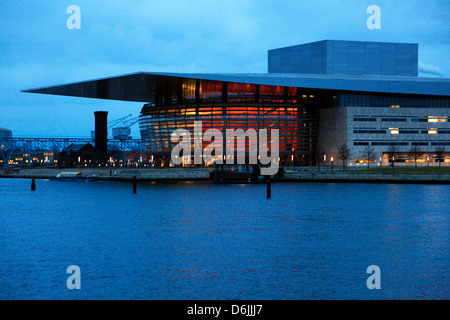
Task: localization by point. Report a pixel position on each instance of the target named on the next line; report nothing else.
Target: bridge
(57, 144)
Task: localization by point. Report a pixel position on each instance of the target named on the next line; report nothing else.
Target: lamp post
(332, 159)
(393, 164)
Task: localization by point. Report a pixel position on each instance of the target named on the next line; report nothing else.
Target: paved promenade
(187, 174)
(435, 178)
(115, 174)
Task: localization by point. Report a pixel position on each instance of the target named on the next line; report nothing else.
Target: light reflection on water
(206, 241)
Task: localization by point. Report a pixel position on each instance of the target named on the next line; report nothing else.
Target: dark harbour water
(205, 241)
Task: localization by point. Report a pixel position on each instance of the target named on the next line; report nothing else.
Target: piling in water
(269, 191)
(33, 185)
(134, 185)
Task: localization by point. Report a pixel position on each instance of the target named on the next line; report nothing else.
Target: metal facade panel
(346, 58)
(305, 58)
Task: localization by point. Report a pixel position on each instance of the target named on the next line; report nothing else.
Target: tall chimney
(101, 132)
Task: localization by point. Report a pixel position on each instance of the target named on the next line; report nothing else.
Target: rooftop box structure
(336, 57)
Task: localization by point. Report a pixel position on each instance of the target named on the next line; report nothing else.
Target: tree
(392, 151)
(369, 154)
(415, 153)
(440, 154)
(344, 153)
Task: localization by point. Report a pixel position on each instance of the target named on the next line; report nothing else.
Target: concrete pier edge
(205, 174)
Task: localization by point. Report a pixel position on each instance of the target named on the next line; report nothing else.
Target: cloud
(430, 69)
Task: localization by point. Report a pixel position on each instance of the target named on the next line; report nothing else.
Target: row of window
(403, 119)
(401, 131)
(354, 100)
(401, 143)
(368, 131)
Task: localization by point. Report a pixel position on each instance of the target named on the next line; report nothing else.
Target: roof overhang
(141, 86)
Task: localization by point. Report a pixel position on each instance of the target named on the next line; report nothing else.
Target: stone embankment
(188, 174)
(114, 174)
(433, 178)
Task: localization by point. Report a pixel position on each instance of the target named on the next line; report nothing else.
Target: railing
(57, 144)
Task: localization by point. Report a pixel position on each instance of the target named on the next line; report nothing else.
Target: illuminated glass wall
(234, 106)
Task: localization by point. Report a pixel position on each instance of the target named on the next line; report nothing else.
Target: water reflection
(207, 241)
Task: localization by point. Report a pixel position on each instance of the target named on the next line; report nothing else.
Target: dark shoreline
(205, 174)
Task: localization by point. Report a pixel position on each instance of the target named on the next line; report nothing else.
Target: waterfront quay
(399, 175)
(114, 174)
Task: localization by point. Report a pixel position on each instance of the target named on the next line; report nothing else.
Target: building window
(241, 92)
(394, 130)
(271, 93)
(437, 119)
(407, 131)
(211, 90)
(393, 119)
(356, 131)
(390, 143)
(395, 106)
(433, 131)
(440, 143)
(364, 160)
(365, 119)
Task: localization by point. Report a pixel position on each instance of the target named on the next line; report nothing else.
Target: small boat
(236, 173)
(73, 176)
(247, 173)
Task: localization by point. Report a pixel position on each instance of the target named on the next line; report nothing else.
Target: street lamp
(393, 163)
(332, 159)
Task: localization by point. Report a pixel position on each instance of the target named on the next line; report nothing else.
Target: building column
(224, 91)
(197, 91)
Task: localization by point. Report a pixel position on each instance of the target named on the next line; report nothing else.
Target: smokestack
(101, 132)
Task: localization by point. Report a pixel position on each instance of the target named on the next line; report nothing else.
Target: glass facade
(180, 102)
(222, 106)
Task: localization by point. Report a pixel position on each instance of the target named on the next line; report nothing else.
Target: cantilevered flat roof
(141, 86)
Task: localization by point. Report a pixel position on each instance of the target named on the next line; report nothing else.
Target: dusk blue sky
(228, 36)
